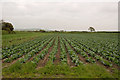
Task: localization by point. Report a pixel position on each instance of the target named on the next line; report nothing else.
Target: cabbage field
(63, 55)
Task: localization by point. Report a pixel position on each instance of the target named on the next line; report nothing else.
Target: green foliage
(41, 30)
(59, 71)
(91, 29)
(43, 52)
(28, 68)
(20, 37)
(7, 27)
(13, 68)
(4, 32)
(102, 48)
(63, 55)
(92, 48)
(54, 51)
(20, 70)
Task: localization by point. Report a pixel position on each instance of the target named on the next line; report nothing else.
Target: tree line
(7, 26)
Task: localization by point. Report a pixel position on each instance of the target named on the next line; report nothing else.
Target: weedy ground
(60, 71)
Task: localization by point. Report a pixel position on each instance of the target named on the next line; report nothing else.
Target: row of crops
(104, 50)
(28, 49)
(93, 50)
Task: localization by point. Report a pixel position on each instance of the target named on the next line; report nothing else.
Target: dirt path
(42, 62)
(39, 51)
(57, 60)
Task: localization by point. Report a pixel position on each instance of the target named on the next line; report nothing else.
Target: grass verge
(28, 70)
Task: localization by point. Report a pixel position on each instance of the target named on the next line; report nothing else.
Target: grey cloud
(62, 15)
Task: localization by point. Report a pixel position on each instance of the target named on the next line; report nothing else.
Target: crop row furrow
(111, 57)
(28, 45)
(73, 55)
(82, 50)
(25, 51)
(52, 56)
(84, 57)
(34, 52)
(63, 54)
(42, 54)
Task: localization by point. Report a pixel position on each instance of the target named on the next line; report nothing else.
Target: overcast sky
(69, 15)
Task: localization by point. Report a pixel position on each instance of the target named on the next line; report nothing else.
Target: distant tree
(41, 30)
(56, 31)
(61, 30)
(7, 26)
(91, 29)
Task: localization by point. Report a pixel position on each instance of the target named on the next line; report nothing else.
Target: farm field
(18, 37)
(61, 55)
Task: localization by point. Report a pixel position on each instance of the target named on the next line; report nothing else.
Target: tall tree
(91, 29)
(6, 26)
